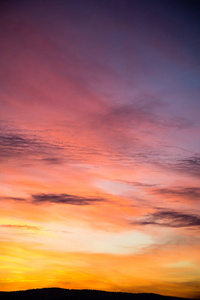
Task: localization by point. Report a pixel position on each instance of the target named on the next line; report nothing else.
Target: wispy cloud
(64, 199)
(169, 218)
(189, 193)
(137, 183)
(174, 162)
(190, 165)
(61, 198)
(143, 111)
(26, 227)
(13, 198)
(16, 145)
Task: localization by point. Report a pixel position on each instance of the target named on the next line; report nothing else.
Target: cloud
(175, 161)
(118, 119)
(144, 110)
(26, 227)
(16, 145)
(136, 183)
(13, 198)
(169, 218)
(190, 193)
(191, 165)
(64, 199)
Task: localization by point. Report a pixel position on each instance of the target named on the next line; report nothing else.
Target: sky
(100, 145)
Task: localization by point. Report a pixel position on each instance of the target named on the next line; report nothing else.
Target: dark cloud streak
(26, 227)
(169, 218)
(191, 165)
(13, 198)
(190, 193)
(17, 145)
(61, 198)
(64, 199)
(143, 111)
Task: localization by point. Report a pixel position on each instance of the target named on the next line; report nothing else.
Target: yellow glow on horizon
(79, 270)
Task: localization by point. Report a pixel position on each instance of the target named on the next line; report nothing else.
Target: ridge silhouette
(64, 294)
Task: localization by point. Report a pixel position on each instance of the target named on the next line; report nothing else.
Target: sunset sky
(100, 145)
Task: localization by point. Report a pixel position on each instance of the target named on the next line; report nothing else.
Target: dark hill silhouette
(63, 294)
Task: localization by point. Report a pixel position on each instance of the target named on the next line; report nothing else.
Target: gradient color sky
(100, 145)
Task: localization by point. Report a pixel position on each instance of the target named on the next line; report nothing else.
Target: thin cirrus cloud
(15, 145)
(142, 111)
(64, 199)
(61, 198)
(176, 162)
(188, 193)
(25, 227)
(189, 165)
(170, 218)
(140, 123)
(20, 199)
